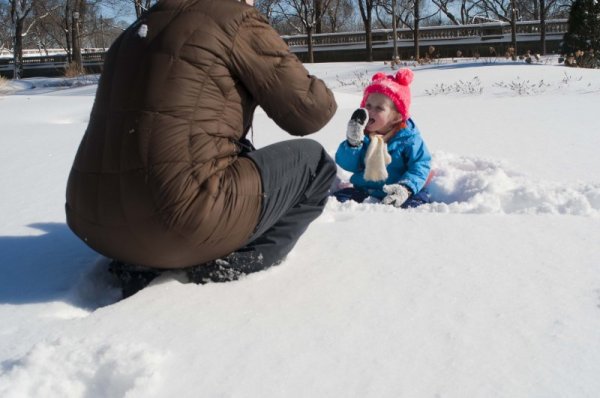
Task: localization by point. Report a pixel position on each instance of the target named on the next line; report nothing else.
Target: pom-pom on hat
(395, 87)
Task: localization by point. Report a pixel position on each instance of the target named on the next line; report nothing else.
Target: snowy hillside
(491, 291)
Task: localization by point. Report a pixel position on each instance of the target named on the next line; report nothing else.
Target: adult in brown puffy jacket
(165, 178)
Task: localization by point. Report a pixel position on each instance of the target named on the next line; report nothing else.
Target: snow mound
(80, 369)
(474, 185)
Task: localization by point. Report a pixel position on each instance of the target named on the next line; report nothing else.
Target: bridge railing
(482, 30)
(485, 33)
(51, 65)
(45, 52)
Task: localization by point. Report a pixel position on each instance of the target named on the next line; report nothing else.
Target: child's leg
(351, 193)
(418, 199)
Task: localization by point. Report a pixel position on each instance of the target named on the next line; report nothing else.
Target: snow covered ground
(491, 291)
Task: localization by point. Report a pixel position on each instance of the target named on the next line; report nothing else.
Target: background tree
(281, 21)
(513, 26)
(512, 11)
(543, 25)
(366, 12)
(19, 12)
(85, 27)
(5, 23)
(416, 25)
(47, 33)
(44, 24)
(413, 15)
(384, 13)
(318, 6)
(533, 9)
(458, 12)
(542, 10)
(78, 17)
(77, 14)
(141, 6)
(502, 10)
(308, 13)
(493, 10)
(266, 7)
(394, 14)
(584, 27)
(338, 16)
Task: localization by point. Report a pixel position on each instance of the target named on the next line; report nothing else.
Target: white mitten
(376, 159)
(355, 133)
(396, 194)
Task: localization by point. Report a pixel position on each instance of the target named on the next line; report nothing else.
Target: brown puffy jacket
(157, 179)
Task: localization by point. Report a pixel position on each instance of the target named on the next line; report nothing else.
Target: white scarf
(376, 159)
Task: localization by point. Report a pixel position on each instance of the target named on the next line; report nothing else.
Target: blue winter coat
(410, 166)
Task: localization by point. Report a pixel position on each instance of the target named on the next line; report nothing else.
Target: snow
(491, 291)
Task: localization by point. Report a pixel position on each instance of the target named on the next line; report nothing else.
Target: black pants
(359, 195)
(296, 179)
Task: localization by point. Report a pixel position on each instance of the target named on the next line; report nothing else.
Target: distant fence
(41, 52)
(470, 40)
(51, 65)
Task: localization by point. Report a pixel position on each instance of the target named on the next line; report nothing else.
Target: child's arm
(418, 164)
(350, 154)
(350, 158)
(355, 132)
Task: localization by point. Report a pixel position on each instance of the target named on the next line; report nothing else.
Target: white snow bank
(83, 368)
(472, 185)
(463, 184)
(491, 292)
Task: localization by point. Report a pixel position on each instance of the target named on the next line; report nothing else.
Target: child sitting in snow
(391, 162)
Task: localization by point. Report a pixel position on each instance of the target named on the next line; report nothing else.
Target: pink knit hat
(394, 87)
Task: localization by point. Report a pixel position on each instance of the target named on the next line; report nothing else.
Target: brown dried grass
(3, 83)
(72, 70)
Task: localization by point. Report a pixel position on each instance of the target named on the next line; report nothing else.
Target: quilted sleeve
(299, 103)
(350, 158)
(418, 165)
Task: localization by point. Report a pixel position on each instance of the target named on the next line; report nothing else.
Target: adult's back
(158, 179)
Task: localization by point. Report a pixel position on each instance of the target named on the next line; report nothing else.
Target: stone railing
(336, 44)
(51, 65)
(483, 31)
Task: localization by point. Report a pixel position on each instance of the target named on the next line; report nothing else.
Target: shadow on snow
(54, 266)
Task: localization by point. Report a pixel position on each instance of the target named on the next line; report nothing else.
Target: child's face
(383, 116)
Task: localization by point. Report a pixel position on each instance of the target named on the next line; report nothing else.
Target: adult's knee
(323, 170)
(308, 149)
(320, 158)
(328, 166)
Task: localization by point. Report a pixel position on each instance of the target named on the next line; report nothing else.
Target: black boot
(133, 278)
(214, 271)
(229, 268)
